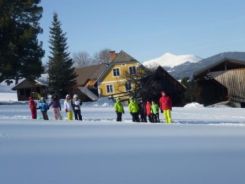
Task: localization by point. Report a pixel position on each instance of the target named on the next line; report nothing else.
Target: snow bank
(101, 102)
(194, 105)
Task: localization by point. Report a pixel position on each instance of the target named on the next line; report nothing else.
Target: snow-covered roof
(25, 83)
(5, 88)
(213, 64)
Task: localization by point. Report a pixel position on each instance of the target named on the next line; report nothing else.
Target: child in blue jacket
(43, 106)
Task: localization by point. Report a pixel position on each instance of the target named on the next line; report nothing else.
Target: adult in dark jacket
(142, 111)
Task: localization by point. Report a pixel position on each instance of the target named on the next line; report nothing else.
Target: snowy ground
(7, 94)
(8, 97)
(205, 145)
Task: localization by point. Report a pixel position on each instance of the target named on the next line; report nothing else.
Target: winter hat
(42, 100)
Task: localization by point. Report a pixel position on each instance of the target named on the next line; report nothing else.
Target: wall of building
(117, 82)
(234, 81)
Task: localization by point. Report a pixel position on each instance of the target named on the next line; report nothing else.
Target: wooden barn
(221, 81)
(28, 88)
(161, 80)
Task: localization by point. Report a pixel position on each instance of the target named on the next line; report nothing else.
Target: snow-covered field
(6, 93)
(8, 97)
(204, 145)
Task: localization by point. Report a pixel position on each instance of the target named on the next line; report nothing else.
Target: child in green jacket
(118, 109)
(155, 112)
(134, 110)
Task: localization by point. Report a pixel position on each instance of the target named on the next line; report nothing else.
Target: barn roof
(92, 72)
(214, 66)
(28, 83)
(124, 57)
(163, 72)
(42, 81)
(161, 80)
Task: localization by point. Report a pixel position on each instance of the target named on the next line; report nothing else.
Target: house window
(132, 70)
(128, 86)
(109, 88)
(116, 72)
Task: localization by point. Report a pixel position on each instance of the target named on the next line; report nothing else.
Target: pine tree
(62, 77)
(20, 50)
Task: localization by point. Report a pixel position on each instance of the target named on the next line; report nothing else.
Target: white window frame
(116, 73)
(110, 87)
(129, 71)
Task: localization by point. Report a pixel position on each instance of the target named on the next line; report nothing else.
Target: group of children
(140, 112)
(71, 106)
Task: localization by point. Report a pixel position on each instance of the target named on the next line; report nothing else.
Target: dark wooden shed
(161, 80)
(28, 88)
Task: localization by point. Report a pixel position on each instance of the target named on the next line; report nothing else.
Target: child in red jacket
(148, 110)
(166, 106)
(33, 108)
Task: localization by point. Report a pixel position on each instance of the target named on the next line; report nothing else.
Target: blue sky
(148, 28)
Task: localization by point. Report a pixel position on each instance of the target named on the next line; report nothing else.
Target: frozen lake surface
(204, 145)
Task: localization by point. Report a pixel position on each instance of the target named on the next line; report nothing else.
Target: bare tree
(131, 81)
(103, 56)
(81, 59)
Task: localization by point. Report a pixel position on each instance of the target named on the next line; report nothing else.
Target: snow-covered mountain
(170, 60)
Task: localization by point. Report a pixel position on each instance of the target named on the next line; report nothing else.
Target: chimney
(113, 55)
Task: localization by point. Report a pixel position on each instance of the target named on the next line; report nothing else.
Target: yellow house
(117, 78)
